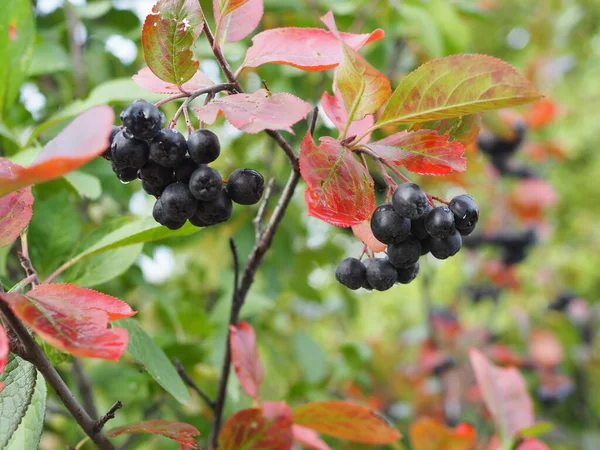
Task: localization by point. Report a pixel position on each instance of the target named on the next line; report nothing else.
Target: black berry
(245, 186)
(204, 146)
(409, 201)
(465, 210)
(206, 183)
(408, 274)
(155, 174)
(124, 173)
(446, 247)
(155, 190)
(406, 253)
(185, 169)
(215, 211)
(417, 226)
(381, 274)
(107, 154)
(159, 214)
(425, 245)
(439, 223)
(142, 119)
(168, 148)
(351, 273)
(388, 226)
(178, 203)
(128, 151)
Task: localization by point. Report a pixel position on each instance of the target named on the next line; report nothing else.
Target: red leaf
(428, 434)
(541, 114)
(167, 37)
(545, 349)
(146, 79)
(83, 139)
(178, 431)
(340, 189)
(530, 197)
(312, 49)
(309, 439)
(505, 395)
(73, 319)
(363, 232)
(3, 351)
(424, 152)
(256, 112)
(334, 108)
(345, 421)
(463, 129)
(228, 6)
(532, 444)
(245, 358)
(15, 208)
(255, 429)
(238, 24)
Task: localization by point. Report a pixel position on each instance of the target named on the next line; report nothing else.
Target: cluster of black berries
(411, 228)
(176, 171)
(514, 245)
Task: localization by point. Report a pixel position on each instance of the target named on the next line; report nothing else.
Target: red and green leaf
(340, 189)
(269, 428)
(236, 25)
(256, 112)
(454, 86)
(245, 358)
(82, 140)
(177, 431)
(424, 152)
(463, 129)
(4, 349)
(73, 319)
(228, 6)
(15, 208)
(363, 88)
(146, 79)
(505, 395)
(334, 108)
(167, 37)
(428, 434)
(345, 421)
(308, 438)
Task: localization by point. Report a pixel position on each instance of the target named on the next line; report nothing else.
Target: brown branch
(84, 386)
(262, 209)
(108, 416)
(187, 379)
(25, 260)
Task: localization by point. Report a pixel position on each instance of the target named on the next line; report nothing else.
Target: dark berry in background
(128, 151)
(406, 253)
(178, 203)
(215, 211)
(159, 214)
(446, 247)
(168, 148)
(107, 154)
(408, 274)
(125, 174)
(381, 274)
(245, 186)
(206, 183)
(185, 169)
(142, 119)
(466, 212)
(439, 223)
(351, 273)
(388, 226)
(409, 200)
(203, 146)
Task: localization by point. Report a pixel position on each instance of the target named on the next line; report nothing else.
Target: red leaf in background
(532, 444)
(312, 49)
(80, 141)
(545, 349)
(340, 189)
(73, 319)
(363, 232)
(505, 394)
(168, 34)
(345, 421)
(530, 197)
(238, 24)
(15, 208)
(245, 358)
(424, 152)
(334, 108)
(541, 113)
(428, 434)
(178, 431)
(308, 438)
(253, 113)
(255, 429)
(146, 79)
(504, 355)
(3, 351)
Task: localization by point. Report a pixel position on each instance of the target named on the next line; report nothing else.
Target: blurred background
(525, 291)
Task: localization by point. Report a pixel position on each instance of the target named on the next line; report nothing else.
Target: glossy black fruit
(204, 146)
(417, 226)
(245, 186)
(215, 211)
(156, 175)
(351, 273)
(163, 218)
(168, 148)
(155, 190)
(128, 151)
(185, 169)
(206, 183)
(381, 274)
(439, 223)
(410, 201)
(466, 212)
(125, 174)
(388, 226)
(107, 154)
(406, 253)
(178, 203)
(446, 247)
(142, 119)
(425, 245)
(408, 274)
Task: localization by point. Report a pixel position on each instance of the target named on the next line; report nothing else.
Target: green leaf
(93, 10)
(17, 30)
(48, 58)
(310, 357)
(29, 433)
(454, 86)
(19, 379)
(143, 348)
(419, 25)
(536, 429)
(86, 185)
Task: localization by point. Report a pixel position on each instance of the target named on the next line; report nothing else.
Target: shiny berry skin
(125, 174)
(198, 222)
(206, 183)
(245, 186)
(409, 201)
(417, 226)
(185, 169)
(203, 146)
(446, 247)
(425, 245)
(161, 217)
(408, 274)
(381, 274)
(215, 211)
(128, 151)
(142, 119)
(155, 190)
(168, 148)
(107, 154)
(406, 253)
(439, 223)
(465, 210)
(155, 174)
(351, 273)
(178, 203)
(388, 226)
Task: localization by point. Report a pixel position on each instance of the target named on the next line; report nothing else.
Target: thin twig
(108, 416)
(236, 266)
(262, 209)
(190, 98)
(438, 199)
(25, 260)
(84, 386)
(313, 121)
(375, 157)
(187, 379)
